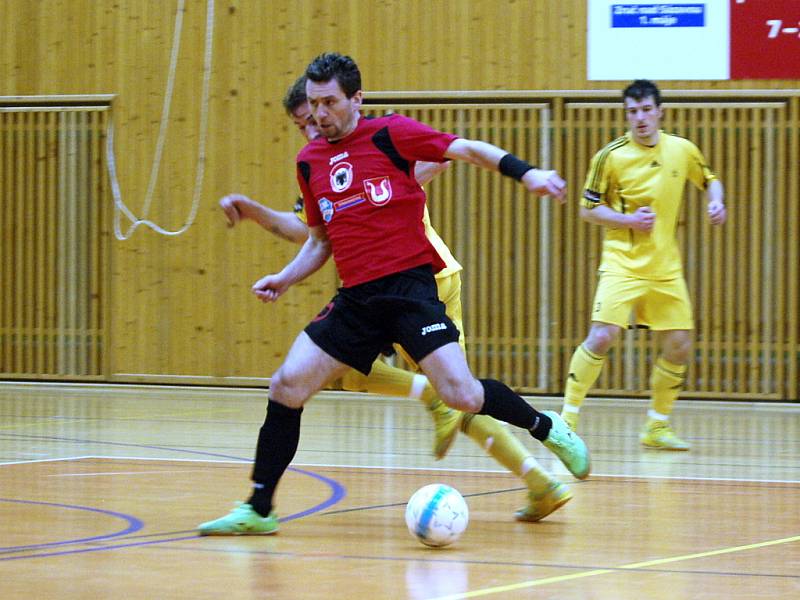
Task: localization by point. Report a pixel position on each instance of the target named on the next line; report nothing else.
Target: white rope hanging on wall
(119, 206)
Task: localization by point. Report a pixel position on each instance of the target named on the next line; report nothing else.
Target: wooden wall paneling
(52, 248)
(792, 381)
(754, 243)
(523, 299)
(732, 282)
(6, 211)
(543, 219)
(719, 280)
(181, 307)
(19, 235)
(570, 279)
(39, 217)
(544, 330)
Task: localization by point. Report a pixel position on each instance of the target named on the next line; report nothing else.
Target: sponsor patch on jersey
(326, 209)
(338, 157)
(348, 202)
(378, 190)
(341, 176)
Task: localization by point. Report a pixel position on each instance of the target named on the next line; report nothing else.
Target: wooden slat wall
(530, 266)
(55, 253)
(739, 276)
(180, 308)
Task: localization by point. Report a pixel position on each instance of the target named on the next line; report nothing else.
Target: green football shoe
(567, 446)
(242, 520)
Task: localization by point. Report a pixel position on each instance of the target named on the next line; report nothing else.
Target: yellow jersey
(626, 176)
(451, 265)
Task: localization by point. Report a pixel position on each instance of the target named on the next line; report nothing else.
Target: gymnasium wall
(178, 308)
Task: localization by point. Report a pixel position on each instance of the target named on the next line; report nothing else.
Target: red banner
(765, 39)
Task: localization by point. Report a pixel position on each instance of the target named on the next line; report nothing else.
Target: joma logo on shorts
(431, 328)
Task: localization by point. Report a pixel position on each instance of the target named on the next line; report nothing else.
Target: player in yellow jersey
(634, 188)
(545, 493)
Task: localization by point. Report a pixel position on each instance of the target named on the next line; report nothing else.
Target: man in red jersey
(365, 208)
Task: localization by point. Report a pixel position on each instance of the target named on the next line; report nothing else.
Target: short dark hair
(332, 65)
(295, 95)
(642, 88)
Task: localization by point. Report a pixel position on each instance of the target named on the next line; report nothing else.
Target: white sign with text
(630, 39)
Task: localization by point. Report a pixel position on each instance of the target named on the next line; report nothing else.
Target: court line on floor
(126, 473)
(133, 523)
(633, 566)
(227, 459)
(337, 493)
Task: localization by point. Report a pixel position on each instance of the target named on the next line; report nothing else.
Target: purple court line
(134, 525)
(337, 493)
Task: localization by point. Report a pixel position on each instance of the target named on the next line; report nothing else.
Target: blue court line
(337, 493)
(100, 549)
(134, 525)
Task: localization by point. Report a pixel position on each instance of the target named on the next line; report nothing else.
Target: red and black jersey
(362, 189)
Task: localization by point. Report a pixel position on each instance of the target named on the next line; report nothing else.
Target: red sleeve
(417, 141)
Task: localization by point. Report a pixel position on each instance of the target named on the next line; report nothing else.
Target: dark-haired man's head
(641, 89)
(332, 65)
(333, 89)
(295, 103)
(642, 100)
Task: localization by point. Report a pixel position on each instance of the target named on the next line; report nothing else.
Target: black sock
(500, 402)
(277, 444)
(541, 428)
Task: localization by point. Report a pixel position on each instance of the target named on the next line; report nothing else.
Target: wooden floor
(101, 489)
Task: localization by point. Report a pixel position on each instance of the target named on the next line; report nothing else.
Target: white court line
(42, 460)
(191, 460)
(100, 474)
(405, 468)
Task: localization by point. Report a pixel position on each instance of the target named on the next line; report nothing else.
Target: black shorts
(403, 308)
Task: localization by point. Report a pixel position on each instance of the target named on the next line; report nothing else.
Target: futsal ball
(437, 515)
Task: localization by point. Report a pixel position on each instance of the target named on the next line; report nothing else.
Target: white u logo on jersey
(379, 190)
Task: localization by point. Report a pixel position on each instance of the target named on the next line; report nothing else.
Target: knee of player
(679, 354)
(466, 396)
(600, 340)
(286, 389)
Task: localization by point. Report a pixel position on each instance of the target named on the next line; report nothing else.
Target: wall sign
(712, 39)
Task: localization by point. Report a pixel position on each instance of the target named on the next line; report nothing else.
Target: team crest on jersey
(379, 190)
(326, 209)
(341, 176)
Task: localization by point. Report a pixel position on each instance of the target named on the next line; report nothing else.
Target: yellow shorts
(628, 301)
(450, 293)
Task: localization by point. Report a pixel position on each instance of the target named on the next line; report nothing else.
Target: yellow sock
(390, 381)
(666, 382)
(584, 369)
(354, 381)
(495, 438)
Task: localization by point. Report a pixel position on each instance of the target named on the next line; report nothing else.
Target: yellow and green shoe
(660, 436)
(542, 503)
